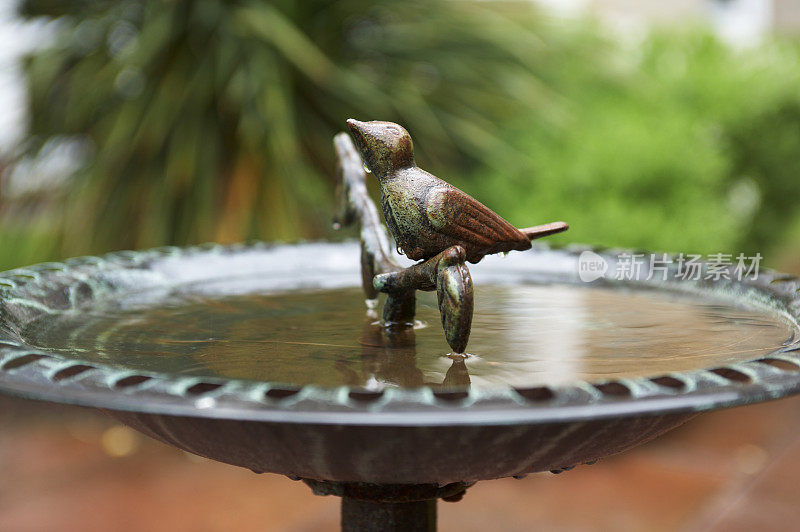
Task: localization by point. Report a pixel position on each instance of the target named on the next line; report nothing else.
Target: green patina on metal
(427, 215)
(429, 219)
(31, 293)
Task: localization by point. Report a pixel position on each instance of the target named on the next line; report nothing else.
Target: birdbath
(265, 356)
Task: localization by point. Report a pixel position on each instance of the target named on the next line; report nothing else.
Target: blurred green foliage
(679, 143)
(212, 120)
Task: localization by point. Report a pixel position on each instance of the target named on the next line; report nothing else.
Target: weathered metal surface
(425, 214)
(390, 493)
(414, 434)
(392, 454)
(367, 516)
(380, 507)
(445, 272)
(449, 276)
(429, 219)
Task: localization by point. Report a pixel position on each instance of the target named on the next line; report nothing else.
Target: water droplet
(399, 251)
(366, 169)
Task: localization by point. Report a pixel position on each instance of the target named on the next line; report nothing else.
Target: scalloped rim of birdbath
(27, 293)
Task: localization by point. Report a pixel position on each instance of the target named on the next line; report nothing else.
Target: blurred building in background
(741, 22)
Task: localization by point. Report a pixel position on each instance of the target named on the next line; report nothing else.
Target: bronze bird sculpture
(427, 215)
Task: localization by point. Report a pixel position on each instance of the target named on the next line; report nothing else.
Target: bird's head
(384, 146)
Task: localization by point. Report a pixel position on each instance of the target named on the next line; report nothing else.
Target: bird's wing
(462, 217)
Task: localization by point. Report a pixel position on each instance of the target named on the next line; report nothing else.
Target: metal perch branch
(447, 272)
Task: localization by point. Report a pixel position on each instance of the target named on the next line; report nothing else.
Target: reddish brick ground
(725, 471)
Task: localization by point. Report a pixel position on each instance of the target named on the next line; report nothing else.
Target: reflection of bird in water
(389, 356)
(427, 215)
(458, 375)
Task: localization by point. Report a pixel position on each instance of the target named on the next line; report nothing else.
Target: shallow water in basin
(521, 336)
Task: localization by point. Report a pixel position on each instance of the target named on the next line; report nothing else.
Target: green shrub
(690, 147)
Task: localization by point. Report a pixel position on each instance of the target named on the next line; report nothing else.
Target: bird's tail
(544, 230)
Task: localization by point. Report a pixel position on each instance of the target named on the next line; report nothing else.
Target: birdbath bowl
(262, 356)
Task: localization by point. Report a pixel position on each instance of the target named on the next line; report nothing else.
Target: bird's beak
(357, 128)
(352, 123)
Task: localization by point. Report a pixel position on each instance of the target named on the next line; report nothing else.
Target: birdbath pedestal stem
(387, 507)
(369, 516)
